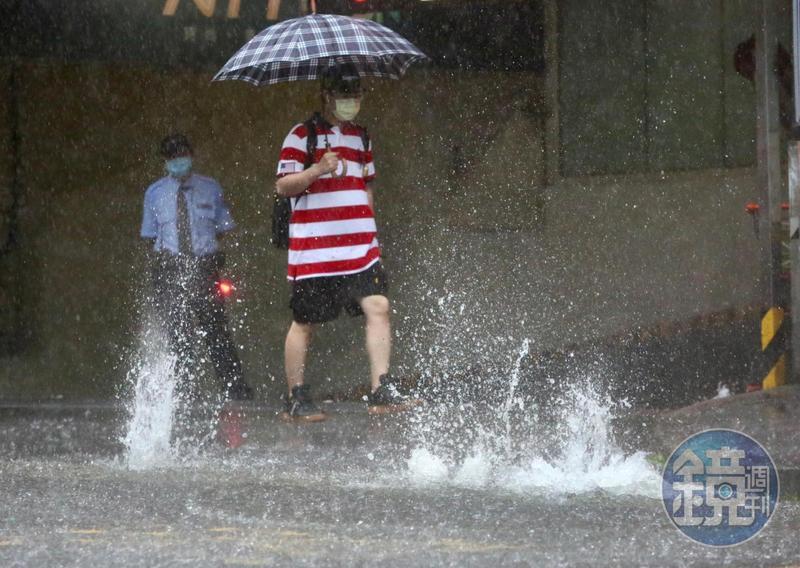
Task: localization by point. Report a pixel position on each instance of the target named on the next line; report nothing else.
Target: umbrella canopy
(303, 48)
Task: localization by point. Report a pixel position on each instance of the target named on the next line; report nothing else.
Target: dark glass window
(475, 35)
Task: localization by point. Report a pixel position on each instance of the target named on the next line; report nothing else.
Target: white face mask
(346, 109)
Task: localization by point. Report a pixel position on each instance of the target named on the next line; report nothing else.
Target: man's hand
(295, 184)
(328, 164)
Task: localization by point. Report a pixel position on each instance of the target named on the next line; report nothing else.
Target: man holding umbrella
(334, 256)
(325, 170)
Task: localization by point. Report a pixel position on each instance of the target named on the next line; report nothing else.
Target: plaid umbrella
(303, 47)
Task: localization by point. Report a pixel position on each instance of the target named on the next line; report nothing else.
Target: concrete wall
(660, 80)
(481, 254)
(500, 212)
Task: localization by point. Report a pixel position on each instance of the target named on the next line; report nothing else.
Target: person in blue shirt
(185, 216)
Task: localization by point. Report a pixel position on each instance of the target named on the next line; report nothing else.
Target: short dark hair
(341, 78)
(175, 145)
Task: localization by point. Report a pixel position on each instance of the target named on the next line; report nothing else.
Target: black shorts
(317, 300)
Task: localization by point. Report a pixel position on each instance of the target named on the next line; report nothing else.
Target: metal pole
(771, 194)
(769, 153)
(796, 58)
(794, 254)
(794, 201)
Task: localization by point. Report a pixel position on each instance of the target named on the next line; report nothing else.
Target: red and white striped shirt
(332, 228)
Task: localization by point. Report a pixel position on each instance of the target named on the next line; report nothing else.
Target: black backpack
(281, 206)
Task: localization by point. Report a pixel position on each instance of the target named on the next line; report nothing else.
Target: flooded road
(355, 490)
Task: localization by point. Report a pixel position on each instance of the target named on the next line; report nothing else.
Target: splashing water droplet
(149, 430)
(565, 446)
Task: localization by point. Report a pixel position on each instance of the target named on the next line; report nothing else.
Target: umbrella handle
(335, 174)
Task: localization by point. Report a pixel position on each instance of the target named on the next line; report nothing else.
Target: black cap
(341, 78)
(175, 145)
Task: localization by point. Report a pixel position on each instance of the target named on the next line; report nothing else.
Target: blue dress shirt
(209, 215)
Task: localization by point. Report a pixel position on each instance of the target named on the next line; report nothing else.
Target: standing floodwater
(443, 485)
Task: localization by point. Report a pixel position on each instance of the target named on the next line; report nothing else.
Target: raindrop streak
(149, 430)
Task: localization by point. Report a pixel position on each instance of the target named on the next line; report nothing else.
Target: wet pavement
(770, 417)
(355, 490)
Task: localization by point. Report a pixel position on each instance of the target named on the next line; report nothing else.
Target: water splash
(565, 446)
(512, 400)
(723, 391)
(148, 439)
(425, 467)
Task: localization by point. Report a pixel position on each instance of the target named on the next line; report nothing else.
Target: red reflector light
(752, 208)
(225, 288)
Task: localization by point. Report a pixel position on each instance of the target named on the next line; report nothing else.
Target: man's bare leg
(378, 336)
(298, 340)
(299, 405)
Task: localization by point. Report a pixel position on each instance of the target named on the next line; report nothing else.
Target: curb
(790, 483)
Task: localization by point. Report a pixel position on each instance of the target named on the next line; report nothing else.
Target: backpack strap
(282, 206)
(311, 139)
(364, 138)
(365, 141)
(311, 144)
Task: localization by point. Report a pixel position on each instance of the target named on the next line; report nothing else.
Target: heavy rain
(399, 283)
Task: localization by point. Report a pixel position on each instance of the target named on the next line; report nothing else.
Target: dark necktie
(182, 220)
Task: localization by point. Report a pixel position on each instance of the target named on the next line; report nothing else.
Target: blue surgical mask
(179, 167)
